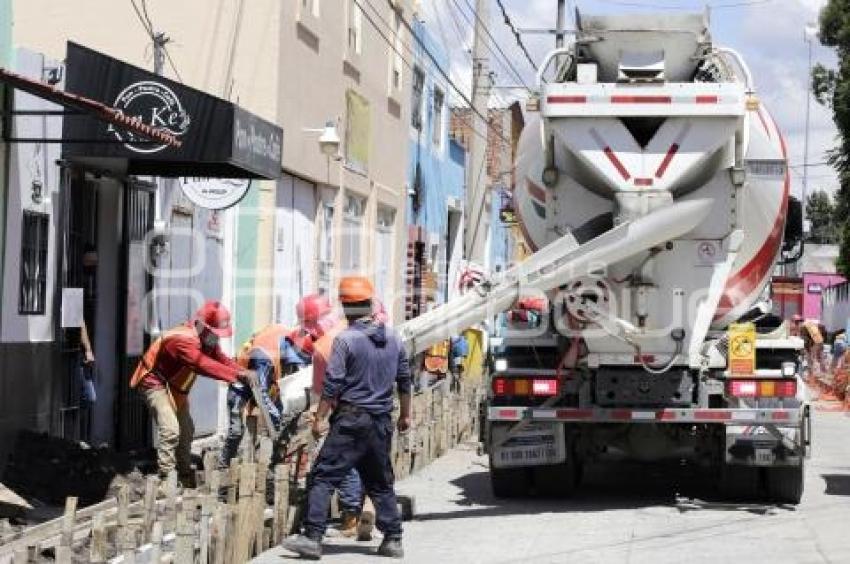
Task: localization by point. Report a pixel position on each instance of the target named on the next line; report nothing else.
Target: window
(310, 7)
(396, 62)
(357, 131)
(437, 126)
(355, 29)
(384, 254)
(352, 224)
(326, 247)
(33, 294)
(416, 103)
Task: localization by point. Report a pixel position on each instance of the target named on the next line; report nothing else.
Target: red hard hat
(302, 341)
(312, 307)
(216, 318)
(353, 289)
(797, 317)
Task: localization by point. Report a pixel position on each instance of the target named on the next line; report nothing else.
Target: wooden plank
(184, 545)
(244, 537)
(97, 550)
(156, 542)
(233, 488)
(125, 537)
(64, 550)
(204, 527)
(54, 526)
(281, 502)
(220, 533)
(170, 500)
(210, 466)
(149, 506)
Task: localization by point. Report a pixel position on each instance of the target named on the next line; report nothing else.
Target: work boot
(304, 546)
(348, 527)
(366, 522)
(391, 547)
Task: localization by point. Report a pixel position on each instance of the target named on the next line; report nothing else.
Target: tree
(820, 213)
(831, 88)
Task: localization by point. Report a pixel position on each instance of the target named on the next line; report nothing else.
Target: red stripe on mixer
(536, 191)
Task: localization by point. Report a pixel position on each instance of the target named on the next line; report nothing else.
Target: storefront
(137, 225)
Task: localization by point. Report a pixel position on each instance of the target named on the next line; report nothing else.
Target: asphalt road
(623, 514)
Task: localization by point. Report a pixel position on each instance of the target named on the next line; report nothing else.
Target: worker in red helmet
(367, 361)
(165, 375)
(315, 314)
(272, 353)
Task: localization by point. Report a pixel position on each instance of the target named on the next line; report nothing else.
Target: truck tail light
(539, 387)
(762, 388)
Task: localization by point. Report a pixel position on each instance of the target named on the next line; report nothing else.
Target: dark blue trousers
(360, 440)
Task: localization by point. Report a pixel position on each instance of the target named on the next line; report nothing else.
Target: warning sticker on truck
(538, 443)
(742, 349)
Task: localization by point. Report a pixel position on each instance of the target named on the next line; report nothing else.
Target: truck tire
(740, 483)
(785, 484)
(557, 480)
(508, 482)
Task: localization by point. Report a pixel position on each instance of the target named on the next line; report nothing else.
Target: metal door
(133, 424)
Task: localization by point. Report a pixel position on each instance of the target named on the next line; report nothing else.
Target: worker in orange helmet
(272, 353)
(367, 360)
(165, 375)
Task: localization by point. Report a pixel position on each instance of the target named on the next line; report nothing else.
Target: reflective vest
(322, 354)
(179, 384)
(267, 341)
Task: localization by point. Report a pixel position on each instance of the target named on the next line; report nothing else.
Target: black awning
(217, 138)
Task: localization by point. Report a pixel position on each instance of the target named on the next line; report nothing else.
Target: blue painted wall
(441, 164)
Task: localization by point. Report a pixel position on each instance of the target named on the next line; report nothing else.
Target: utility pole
(809, 34)
(561, 23)
(159, 41)
(476, 216)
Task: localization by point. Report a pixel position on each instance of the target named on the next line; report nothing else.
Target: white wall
(29, 161)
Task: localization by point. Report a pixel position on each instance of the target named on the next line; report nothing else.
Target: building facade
(297, 65)
(436, 178)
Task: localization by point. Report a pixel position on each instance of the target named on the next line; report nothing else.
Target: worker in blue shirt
(367, 361)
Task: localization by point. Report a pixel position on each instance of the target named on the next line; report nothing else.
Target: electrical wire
(436, 64)
(515, 31)
(507, 60)
(147, 25)
(445, 77)
(719, 6)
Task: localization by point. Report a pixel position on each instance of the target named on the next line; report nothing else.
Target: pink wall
(811, 299)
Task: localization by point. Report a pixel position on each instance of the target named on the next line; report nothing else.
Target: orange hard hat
(353, 289)
(216, 318)
(312, 307)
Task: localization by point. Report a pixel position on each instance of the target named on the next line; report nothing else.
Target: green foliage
(820, 213)
(831, 88)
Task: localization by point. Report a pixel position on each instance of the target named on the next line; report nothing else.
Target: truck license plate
(540, 443)
(764, 456)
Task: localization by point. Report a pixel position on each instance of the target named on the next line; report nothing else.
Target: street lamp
(810, 33)
(328, 140)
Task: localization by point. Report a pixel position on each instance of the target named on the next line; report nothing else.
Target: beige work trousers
(176, 430)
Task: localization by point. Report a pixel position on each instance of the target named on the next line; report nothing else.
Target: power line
(718, 6)
(447, 79)
(510, 24)
(494, 41)
(459, 28)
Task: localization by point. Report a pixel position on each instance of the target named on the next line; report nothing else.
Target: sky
(768, 33)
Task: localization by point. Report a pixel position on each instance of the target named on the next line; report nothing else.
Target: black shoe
(303, 546)
(391, 547)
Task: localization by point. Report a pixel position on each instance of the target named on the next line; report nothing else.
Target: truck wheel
(739, 483)
(508, 482)
(557, 480)
(785, 484)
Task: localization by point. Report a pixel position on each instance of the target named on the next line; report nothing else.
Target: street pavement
(623, 514)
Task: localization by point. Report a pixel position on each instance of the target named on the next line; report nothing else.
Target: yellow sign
(742, 349)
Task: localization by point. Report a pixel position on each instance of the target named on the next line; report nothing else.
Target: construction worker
(357, 511)
(272, 353)
(166, 373)
(367, 361)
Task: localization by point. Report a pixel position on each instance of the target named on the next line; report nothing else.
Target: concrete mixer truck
(653, 185)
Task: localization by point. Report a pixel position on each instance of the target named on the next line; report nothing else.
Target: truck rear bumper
(775, 417)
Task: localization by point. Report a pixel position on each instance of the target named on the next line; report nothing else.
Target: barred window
(33, 290)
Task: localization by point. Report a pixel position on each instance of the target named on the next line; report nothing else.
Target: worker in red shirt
(168, 370)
